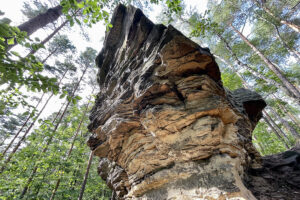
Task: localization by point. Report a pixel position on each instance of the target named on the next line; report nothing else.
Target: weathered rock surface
(277, 178)
(164, 126)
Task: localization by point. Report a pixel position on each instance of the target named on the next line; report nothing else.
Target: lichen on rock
(163, 125)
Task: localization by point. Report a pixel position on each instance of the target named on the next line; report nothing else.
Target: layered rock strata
(163, 125)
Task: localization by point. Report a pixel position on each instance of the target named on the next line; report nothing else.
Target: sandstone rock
(163, 125)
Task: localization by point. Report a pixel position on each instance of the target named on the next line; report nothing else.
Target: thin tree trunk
(39, 187)
(49, 37)
(277, 130)
(29, 128)
(291, 88)
(44, 150)
(291, 116)
(286, 85)
(252, 71)
(86, 175)
(23, 138)
(286, 124)
(50, 139)
(280, 137)
(291, 50)
(20, 130)
(293, 9)
(266, 117)
(71, 148)
(282, 21)
(49, 55)
(35, 168)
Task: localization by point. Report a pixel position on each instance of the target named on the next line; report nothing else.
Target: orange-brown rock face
(164, 126)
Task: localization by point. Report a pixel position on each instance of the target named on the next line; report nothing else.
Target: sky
(12, 10)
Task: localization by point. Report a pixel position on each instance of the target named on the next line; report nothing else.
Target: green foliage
(231, 80)
(267, 142)
(16, 71)
(61, 45)
(174, 6)
(92, 10)
(54, 164)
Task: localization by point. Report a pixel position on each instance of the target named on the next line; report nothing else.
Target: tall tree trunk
(285, 110)
(23, 137)
(49, 37)
(292, 117)
(291, 50)
(281, 136)
(291, 88)
(291, 25)
(277, 130)
(286, 124)
(252, 71)
(52, 136)
(25, 189)
(20, 130)
(86, 175)
(293, 9)
(29, 128)
(71, 148)
(40, 21)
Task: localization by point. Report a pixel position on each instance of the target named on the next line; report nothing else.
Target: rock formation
(163, 125)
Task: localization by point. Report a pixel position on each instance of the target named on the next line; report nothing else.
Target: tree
(85, 59)
(39, 21)
(86, 176)
(71, 148)
(60, 45)
(282, 21)
(289, 86)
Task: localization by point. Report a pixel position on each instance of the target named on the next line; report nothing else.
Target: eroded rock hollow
(163, 125)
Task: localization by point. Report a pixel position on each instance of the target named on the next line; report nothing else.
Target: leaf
(15, 53)
(80, 5)
(74, 101)
(62, 96)
(11, 41)
(78, 98)
(71, 22)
